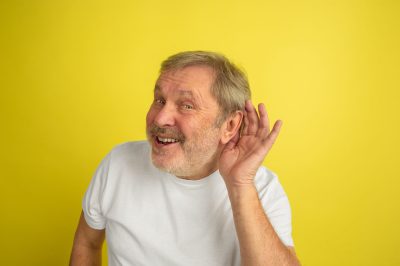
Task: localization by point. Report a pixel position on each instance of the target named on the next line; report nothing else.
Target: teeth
(167, 140)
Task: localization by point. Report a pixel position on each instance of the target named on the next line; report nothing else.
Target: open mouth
(165, 141)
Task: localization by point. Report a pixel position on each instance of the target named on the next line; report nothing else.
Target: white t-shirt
(154, 218)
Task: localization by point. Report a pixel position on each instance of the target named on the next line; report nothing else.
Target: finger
(264, 121)
(270, 140)
(245, 124)
(252, 118)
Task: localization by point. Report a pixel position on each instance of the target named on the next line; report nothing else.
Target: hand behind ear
(243, 155)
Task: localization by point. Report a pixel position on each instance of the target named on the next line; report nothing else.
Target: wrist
(241, 191)
(239, 183)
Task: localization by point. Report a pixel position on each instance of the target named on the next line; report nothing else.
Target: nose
(165, 116)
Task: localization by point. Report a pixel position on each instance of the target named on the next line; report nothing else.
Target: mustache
(173, 133)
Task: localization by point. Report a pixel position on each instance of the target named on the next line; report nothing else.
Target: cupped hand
(244, 153)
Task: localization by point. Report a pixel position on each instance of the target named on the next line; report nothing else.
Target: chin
(168, 165)
(162, 162)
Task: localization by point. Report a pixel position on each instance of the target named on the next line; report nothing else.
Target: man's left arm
(238, 164)
(259, 243)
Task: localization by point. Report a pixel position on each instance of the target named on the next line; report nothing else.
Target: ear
(231, 126)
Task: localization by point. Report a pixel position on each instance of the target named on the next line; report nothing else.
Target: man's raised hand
(243, 155)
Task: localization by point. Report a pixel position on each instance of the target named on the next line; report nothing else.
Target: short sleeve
(276, 205)
(92, 200)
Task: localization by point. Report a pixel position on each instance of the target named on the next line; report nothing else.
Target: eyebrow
(181, 91)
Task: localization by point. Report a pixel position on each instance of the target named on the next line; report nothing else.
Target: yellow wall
(76, 79)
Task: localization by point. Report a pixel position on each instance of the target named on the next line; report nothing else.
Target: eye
(159, 101)
(188, 106)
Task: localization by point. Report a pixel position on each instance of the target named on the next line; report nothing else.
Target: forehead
(188, 81)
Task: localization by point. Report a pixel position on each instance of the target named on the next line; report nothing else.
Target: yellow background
(76, 79)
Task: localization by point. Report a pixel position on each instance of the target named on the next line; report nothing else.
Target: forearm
(88, 243)
(85, 256)
(259, 244)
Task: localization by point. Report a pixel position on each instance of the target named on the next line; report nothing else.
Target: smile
(166, 141)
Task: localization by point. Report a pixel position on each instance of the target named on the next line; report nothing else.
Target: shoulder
(130, 150)
(265, 178)
(268, 185)
(130, 147)
(275, 203)
(128, 154)
(131, 157)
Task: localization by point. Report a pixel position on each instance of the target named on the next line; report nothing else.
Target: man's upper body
(154, 218)
(195, 194)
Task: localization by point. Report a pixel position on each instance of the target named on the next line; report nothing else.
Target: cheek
(192, 130)
(150, 116)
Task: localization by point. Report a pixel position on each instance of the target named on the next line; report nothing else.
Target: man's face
(181, 123)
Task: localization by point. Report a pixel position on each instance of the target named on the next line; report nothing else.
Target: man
(195, 193)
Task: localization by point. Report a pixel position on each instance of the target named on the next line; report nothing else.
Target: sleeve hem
(288, 242)
(93, 224)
